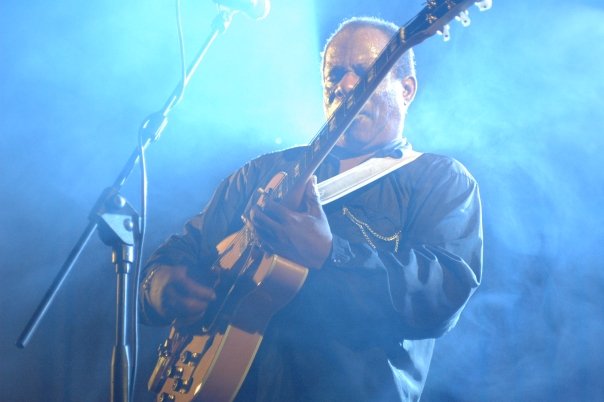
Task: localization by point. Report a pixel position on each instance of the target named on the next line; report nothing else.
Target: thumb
(312, 197)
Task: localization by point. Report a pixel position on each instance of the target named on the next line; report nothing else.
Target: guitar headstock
(436, 15)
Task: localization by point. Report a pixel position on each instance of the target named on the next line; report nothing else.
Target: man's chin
(354, 144)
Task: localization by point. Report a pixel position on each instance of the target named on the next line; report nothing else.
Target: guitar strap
(365, 173)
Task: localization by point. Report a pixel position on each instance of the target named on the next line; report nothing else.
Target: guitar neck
(421, 27)
(293, 185)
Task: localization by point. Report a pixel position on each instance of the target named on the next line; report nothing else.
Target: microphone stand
(119, 226)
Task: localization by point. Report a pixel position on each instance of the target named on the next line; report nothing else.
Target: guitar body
(211, 366)
(208, 361)
(202, 372)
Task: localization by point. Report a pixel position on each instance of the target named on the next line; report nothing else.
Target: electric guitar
(207, 361)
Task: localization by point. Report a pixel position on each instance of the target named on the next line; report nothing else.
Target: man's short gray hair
(403, 68)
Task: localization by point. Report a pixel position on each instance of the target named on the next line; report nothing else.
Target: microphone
(256, 9)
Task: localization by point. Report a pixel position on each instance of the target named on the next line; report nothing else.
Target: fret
(332, 124)
(316, 146)
(350, 102)
(402, 35)
(371, 74)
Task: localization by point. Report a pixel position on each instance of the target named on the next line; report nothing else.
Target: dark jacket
(362, 328)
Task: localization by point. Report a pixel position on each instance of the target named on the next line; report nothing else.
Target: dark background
(517, 97)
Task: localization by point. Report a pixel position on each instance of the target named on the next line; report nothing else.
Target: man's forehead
(364, 39)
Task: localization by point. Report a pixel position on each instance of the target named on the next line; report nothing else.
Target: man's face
(348, 56)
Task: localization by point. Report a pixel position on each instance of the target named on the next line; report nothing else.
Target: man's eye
(329, 89)
(331, 97)
(335, 75)
(360, 71)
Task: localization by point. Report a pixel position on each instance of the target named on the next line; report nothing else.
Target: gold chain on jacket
(364, 227)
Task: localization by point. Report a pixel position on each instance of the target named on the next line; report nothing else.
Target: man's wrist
(150, 309)
(341, 253)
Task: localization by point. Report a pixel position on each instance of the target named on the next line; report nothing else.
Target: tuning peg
(446, 32)
(464, 18)
(484, 5)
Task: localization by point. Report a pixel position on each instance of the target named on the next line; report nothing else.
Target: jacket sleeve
(436, 268)
(195, 247)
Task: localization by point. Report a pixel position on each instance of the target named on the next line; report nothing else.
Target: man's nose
(348, 81)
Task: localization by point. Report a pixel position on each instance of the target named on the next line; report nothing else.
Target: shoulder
(433, 173)
(430, 165)
(263, 167)
(237, 188)
(288, 155)
(275, 161)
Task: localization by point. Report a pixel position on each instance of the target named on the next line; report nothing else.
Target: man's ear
(409, 88)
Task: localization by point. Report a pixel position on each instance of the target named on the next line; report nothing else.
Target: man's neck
(348, 159)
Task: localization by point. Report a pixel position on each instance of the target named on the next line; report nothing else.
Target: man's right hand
(174, 294)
